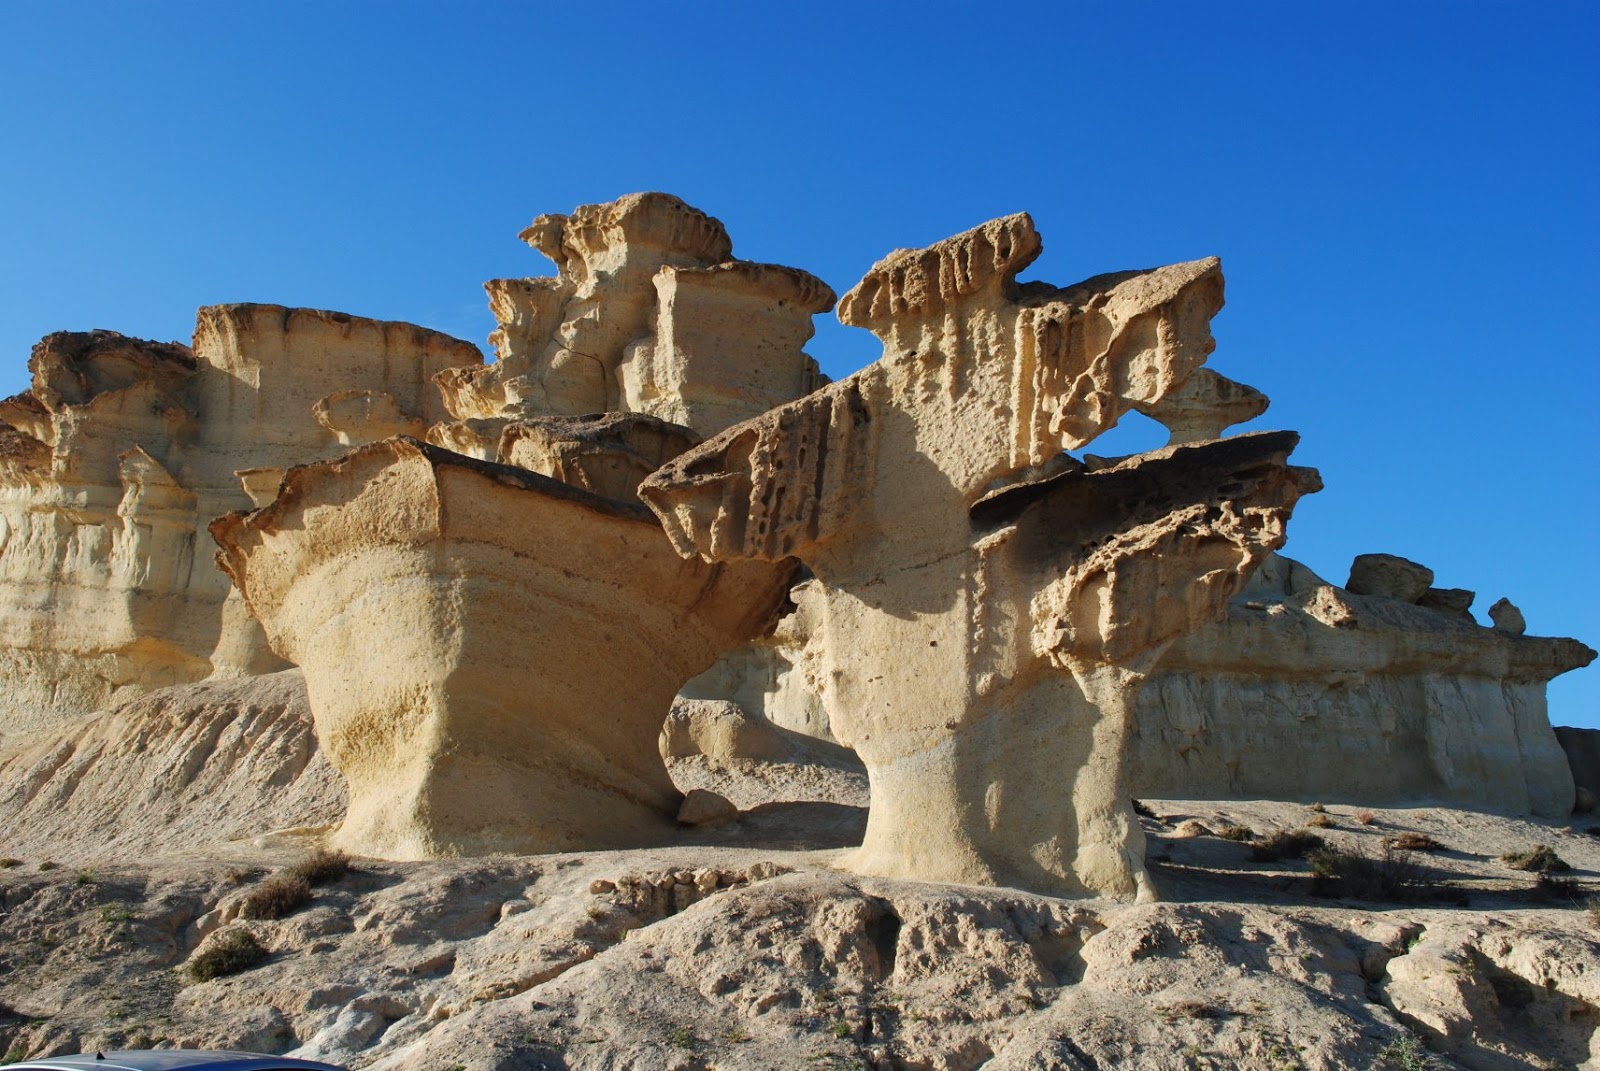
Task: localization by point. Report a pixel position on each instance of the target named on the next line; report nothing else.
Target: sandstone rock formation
(649, 313)
(391, 576)
(989, 606)
(1311, 692)
(114, 461)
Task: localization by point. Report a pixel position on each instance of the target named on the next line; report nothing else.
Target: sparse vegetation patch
(231, 953)
(1285, 844)
(1239, 833)
(1414, 842)
(276, 898)
(1540, 859)
(322, 867)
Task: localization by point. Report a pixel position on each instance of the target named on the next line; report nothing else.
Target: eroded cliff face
(120, 453)
(1308, 691)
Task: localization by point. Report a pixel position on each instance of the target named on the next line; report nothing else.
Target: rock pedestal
(989, 607)
(489, 652)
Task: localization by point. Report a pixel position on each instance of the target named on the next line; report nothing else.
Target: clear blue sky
(1403, 194)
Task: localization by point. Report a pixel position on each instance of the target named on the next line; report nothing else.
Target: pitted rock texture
(985, 624)
(391, 576)
(747, 958)
(1308, 691)
(649, 313)
(120, 453)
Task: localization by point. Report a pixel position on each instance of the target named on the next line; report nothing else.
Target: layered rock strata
(648, 313)
(396, 578)
(1312, 692)
(989, 606)
(122, 450)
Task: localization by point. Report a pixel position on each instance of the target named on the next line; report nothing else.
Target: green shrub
(233, 952)
(276, 898)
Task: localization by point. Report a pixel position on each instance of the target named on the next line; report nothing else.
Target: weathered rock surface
(649, 313)
(391, 576)
(122, 450)
(183, 771)
(1311, 692)
(693, 957)
(980, 639)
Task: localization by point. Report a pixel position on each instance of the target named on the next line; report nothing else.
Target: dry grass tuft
(1393, 875)
(1414, 842)
(322, 867)
(1320, 821)
(1285, 844)
(1233, 832)
(1540, 859)
(276, 898)
(1367, 818)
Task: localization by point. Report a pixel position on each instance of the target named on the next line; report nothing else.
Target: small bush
(231, 953)
(1366, 818)
(1232, 832)
(1561, 890)
(1320, 821)
(276, 898)
(1285, 844)
(1539, 859)
(1394, 875)
(8, 863)
(1414, 842)
(322, 867)
(1319, 808)
(48, 865)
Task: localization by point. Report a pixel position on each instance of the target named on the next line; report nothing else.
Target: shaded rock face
(390, 576)
(980, 634)
(1307, 691)
(118, 455)
(186, 770)
(649, 313)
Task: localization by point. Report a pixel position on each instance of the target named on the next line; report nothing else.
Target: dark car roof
(171, 1060)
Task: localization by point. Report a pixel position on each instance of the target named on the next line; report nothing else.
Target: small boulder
(1584, 801)
(1388, 575)
(703, 808)
(1507, 618)
(1457, 602)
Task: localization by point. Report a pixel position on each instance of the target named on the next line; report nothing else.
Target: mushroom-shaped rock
(1207, 405)
(988, 613)
(489, 652)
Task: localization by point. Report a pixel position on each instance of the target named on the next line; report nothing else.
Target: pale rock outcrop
(192, 769)
(983, 637)
(1507, 618)
(649, 313)
(1311, 692)
(1205, 406)
(113, 461)
(1390, 576)
(392, 576)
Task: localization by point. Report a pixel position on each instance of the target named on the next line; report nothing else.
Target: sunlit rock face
(114, 460)
(649, 313)
(990, 607)
(1308, 691)
(489, 652)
